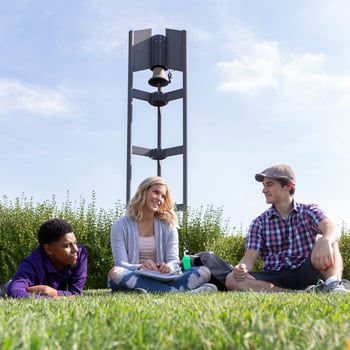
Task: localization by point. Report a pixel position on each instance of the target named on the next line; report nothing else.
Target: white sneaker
(206, 287)
(140, 291)
(342, 286)
(336, 287)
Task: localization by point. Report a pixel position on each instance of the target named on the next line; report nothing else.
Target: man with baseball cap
(285, 238)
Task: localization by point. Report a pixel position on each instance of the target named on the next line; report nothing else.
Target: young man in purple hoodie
(57, 268)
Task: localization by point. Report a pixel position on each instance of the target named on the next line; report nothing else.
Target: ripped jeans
(124, 280)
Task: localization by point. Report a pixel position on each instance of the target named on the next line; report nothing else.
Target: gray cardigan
(125, 243)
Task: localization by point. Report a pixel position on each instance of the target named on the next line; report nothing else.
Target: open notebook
(159, 276)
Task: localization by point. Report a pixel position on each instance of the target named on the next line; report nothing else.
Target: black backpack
(3, 291)
(219, 268)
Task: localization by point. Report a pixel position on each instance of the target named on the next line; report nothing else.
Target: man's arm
(25, 276)
(42, 290)
(249, 259)
(322, 254)
(329, 230)
(240, 272)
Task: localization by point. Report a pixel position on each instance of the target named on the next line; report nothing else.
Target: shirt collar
(272, 212)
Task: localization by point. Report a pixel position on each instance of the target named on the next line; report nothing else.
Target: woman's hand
(149, 265)
(152, 266)
(164, 268)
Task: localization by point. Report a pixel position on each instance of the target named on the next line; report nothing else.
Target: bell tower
(160, 54)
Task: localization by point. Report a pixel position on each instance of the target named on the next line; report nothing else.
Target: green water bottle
(186, 261)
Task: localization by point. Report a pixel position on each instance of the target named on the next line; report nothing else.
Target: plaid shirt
(285, 243)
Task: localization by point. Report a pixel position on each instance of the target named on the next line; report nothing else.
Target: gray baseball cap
(279, 171)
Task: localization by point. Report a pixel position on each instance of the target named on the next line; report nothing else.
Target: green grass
(100, 320)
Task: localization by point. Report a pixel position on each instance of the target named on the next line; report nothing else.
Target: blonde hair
(165, 212)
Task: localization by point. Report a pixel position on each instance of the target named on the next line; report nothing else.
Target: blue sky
(268, 82)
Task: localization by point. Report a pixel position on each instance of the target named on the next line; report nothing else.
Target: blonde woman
(146, 239)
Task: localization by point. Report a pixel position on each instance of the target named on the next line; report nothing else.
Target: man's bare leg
(251, 284)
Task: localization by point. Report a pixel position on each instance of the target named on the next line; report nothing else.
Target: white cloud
(303, 81)
(104, 39)
(310, 89)
(254, 69)
(18, 96)
(331, 23)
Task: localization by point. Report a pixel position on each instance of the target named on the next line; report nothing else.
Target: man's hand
(43, 290)
(240, 272)
(322, 254)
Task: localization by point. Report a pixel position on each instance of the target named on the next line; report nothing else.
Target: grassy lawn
(100, 320)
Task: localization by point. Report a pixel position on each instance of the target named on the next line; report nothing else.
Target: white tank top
(147, 249)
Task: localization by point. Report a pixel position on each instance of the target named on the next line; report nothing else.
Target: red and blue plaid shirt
(285, 243)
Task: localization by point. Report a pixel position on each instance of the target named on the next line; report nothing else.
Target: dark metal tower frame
(169, 53)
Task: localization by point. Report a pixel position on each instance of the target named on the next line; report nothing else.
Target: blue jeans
(190, 279)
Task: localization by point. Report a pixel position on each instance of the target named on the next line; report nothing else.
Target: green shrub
(344, 247)
(19, 223)
(21, 219)
(200, 230)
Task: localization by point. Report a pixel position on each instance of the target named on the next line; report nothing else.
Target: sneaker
(336, 287)
(140, 291)
(206, 287)
(342, 286)
(345, 283)
(315, 288)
